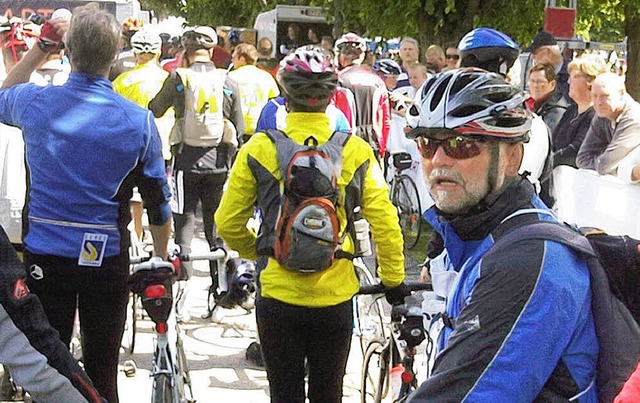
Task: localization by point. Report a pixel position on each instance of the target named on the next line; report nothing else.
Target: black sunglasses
(454, 57)
(457, 147)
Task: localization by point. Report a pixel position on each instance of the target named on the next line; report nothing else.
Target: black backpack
(613, 263)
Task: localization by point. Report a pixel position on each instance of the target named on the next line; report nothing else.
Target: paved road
(215, 353)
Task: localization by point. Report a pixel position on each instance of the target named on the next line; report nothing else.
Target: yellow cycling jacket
(140, 85)
(256, 88)
(255, 180)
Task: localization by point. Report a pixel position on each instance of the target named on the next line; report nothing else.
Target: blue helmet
(387, 67)
(488, 49)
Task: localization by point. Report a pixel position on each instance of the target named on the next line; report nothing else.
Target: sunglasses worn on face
(458, 147)
(454, 57)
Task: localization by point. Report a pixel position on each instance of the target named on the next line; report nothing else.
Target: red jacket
(630, 392)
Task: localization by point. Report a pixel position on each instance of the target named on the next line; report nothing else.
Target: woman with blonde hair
(570, 133)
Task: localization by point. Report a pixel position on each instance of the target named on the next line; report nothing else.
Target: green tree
(434, 21)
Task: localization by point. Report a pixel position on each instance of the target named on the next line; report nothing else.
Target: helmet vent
(439, 93)
(467, 110)
(462, 81)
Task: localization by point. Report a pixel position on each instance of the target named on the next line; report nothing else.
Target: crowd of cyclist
(198, 120)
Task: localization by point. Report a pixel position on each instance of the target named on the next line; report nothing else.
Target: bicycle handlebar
(379, 288)
(187, 257)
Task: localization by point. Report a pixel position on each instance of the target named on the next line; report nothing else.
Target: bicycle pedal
(129, 368)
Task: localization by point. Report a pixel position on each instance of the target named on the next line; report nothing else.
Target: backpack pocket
(311, 237)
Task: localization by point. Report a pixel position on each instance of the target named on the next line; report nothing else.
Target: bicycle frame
(168, 385)
(169, 369)
(389, 352)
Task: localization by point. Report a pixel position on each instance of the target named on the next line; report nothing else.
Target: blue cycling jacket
(521, 322)
(86, 148)
(274, 112)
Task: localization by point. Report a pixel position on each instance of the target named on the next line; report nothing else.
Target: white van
(274, 25)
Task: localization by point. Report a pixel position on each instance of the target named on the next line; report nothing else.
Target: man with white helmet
(140, 85)
(203, 140)
(373, 112)
(518, 319)
(496, 52)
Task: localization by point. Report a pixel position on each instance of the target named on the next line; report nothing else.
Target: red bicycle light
(407, 377)
(154, 291)
(161, 327)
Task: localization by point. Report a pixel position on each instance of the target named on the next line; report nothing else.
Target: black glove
(413, 329)
(395, 295)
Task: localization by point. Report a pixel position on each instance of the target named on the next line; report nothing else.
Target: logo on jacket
(20, 290)
(36, 272)
(92, 251)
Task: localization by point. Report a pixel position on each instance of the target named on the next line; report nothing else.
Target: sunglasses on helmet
(457, 147)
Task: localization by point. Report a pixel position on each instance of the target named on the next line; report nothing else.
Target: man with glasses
(505, 338)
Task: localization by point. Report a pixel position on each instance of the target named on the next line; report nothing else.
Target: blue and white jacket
(86, 148)
(522, 328)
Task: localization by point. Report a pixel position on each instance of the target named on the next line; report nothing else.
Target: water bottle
(361, 226)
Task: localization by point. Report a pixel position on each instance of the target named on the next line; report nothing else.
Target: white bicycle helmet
(146, 42)
(306, 77)
(351, 43)
(472, 102)
(200, 37)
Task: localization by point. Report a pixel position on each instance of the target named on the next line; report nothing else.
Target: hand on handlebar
(395, 295)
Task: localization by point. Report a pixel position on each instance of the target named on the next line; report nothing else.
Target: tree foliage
(433, 21)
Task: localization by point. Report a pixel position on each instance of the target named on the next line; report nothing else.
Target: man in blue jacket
(518, 322)
(86, 148)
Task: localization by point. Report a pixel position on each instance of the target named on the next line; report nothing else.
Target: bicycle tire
(368, 312)
(406, 199)
(130, 326)
(374, 384)
(162, 389)
(183, 378)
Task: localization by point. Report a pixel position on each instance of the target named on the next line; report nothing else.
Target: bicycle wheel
(368, 311)
(405, 197)
(374, 384)
(162, 389)
(183, 379)
(129, 337)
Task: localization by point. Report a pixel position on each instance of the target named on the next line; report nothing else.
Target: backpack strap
(546, 230)
(285, 147)
(616, 330)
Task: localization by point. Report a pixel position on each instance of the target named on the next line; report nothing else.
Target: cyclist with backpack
(204, 139)
(305, 277)
(519, 324)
